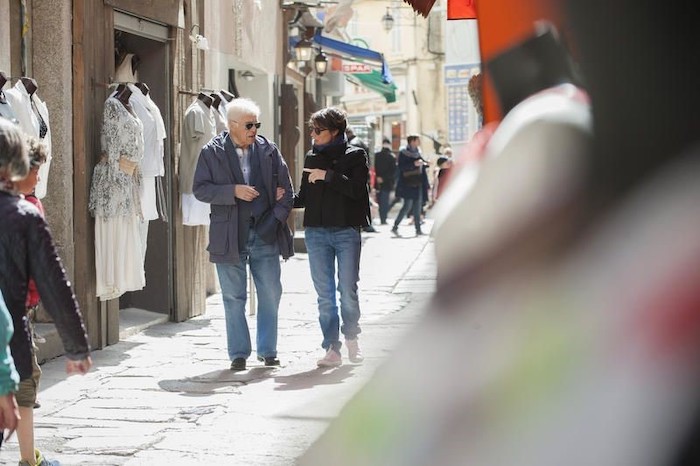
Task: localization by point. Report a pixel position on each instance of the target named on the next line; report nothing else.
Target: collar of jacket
(262, 144)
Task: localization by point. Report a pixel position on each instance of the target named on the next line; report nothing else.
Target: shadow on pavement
(217, 381)
(312, 378)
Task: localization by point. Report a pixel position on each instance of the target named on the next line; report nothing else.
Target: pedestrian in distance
(9, 413)
(334, 193)
(27, 251)
(412, 183)
(385, 167)
(245, 179)
(355, 140)
(444, 167)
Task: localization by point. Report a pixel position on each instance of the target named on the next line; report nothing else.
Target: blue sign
(458, 103)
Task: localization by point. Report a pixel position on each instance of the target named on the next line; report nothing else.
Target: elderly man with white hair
(245, 179)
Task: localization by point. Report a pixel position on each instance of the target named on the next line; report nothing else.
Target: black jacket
(385, 168)
(28, 251)
(342, 200)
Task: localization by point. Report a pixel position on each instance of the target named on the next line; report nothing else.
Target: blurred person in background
(385, 166)
(412, 183)
(9, 413)
(27, 251)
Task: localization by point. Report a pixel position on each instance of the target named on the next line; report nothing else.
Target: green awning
(374, 82)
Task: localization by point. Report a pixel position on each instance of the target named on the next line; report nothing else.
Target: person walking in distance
(245, 179)
(385, 167)
(411, 184)
(334, 193)
(355, 140)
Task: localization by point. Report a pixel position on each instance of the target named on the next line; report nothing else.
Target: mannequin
(144, 88)
(126, 71)
(227, 95)
(29, 84)
(206, 100)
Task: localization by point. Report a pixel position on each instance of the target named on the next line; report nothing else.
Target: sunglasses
(318, 131)
(249, 126)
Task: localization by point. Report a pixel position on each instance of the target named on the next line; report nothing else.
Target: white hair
(240, 107)
(14, 157)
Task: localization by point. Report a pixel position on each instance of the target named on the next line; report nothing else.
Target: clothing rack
(191, 92)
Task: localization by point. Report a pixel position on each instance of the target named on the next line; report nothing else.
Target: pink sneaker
(354, 351)
(331, 359)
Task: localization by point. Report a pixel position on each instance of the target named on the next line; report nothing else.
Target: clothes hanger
(123, 97)
(29, 84)
(206, 100)
(216, 100)
(227, 95)
(144, 88)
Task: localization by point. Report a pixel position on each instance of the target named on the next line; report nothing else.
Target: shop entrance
(147, 41)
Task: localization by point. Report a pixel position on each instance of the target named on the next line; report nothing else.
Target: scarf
(339, 139)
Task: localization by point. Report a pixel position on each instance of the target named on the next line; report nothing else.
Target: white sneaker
(354, 351)
(331, 359)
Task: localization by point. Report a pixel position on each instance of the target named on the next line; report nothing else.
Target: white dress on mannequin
(115, 203)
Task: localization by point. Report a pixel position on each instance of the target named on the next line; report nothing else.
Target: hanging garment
(115, 203)
(33, 117)
(152, 162)
(219, 114)
(6, 110)
(198, 128)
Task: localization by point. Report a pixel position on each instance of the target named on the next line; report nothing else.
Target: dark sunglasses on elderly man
(318, 131)
(249, 126)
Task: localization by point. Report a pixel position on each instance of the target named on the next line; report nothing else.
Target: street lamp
(321, 63)
(247, 75)
(303, 50)
(388, 20)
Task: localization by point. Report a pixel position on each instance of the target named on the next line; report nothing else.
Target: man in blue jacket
(245, 179)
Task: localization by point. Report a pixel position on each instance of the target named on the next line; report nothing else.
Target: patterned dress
(116, 205)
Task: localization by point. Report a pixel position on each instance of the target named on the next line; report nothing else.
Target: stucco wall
(52, 69)
(5, 36)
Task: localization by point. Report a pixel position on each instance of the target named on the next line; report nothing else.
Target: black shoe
(395, 230)
(238, 364)
(369, 229)
(269, 361)
(419, 233)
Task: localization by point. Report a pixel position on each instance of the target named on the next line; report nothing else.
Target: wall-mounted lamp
(388, 20)
(303, 50)
(247, 75)
(321, 63)
(198, 40)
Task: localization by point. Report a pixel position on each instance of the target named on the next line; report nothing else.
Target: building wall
(5, 36)
(416, 70)
(52, 68)
(246, 36)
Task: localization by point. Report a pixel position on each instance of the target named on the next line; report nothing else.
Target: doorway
(148, 42)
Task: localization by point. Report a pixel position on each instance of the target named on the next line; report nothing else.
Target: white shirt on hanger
(28, 109)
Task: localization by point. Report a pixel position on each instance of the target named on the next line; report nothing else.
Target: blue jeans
(383, 201)
(325, 245)
(265, 266)
(408, 204)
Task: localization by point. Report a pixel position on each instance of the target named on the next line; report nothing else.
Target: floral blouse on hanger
(117, 177)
